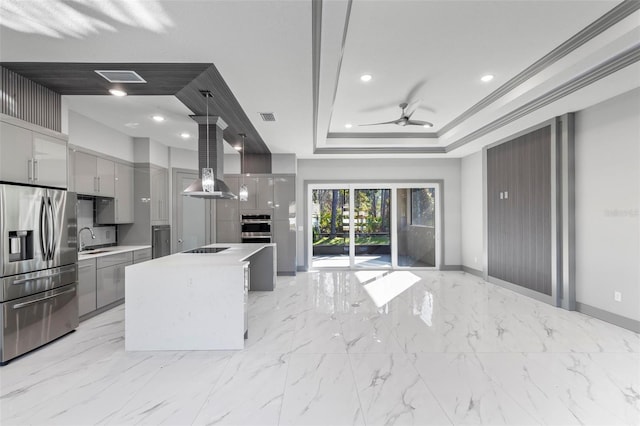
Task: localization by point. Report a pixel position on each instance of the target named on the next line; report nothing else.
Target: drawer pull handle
(25, 304)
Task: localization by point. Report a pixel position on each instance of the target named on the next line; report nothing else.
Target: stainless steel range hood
(210, 155)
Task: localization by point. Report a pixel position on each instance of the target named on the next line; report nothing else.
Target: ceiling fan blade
(378, 124)
(415, 90)
(419, 123)
(412, 107)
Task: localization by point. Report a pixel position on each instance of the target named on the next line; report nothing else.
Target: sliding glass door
(416, 227)
(378, 226)
(330, 227)
(372, 228)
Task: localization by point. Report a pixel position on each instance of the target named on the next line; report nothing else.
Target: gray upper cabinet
(264, 192)
(260, 192)
(16, 154)
(120, 208)
(229, 209)
(284, 197)
(228, 231)
(50, 160)
(85, 173)
(106, 172)
(251, 184)
(124, 193)
(273, 194)
(94, 175)
(31, 157)
(159, 202)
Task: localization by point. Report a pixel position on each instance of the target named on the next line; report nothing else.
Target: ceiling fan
(405, 116)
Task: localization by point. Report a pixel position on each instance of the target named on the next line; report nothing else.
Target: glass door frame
(332, 186)
(393, 187)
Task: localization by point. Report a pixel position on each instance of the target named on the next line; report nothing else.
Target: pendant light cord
(243, 168)
(208, 94)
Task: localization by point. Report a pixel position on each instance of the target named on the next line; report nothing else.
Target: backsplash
(104, 234)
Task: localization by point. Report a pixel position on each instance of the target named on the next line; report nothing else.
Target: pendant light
(208, 183)
(243, 194)
(208, 179)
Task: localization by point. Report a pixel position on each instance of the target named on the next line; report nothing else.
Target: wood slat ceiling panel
(81, 79)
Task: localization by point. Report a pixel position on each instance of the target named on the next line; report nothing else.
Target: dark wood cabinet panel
(519, 211)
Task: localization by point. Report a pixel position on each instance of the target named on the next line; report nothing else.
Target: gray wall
(607, 202)
(385, 170)
(87, 133)
(472, 211)
(607, 162)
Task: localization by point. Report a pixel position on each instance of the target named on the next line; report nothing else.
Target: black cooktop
(206, 250)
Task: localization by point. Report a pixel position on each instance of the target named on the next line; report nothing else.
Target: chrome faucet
(93, 236)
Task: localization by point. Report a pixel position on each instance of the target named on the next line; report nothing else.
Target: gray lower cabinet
(86, 286)
(143, 255)
(110, 284)
(101, 280)
(285, 239)
(110, 277)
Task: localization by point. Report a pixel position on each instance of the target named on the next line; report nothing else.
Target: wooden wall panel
(519, 224)
(24, 99)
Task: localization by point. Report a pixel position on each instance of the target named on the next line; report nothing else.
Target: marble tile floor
(450, 349)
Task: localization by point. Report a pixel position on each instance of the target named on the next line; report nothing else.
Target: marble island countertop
(195, 301)
(106, 251)
(235, 253)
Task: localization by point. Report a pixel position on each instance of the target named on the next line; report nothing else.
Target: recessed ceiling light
(365, 77)
(185, 135)
(158, 118)
(132, 125)
(116, 92)
(237, 148)
(486, 78)
(427, 125)
(348, 125)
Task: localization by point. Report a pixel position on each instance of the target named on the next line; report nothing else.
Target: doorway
(190, 227)
(373, 226)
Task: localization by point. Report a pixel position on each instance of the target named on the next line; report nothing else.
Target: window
(422, 206)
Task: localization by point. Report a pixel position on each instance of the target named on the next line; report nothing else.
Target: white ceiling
(132, 115)
(433, 50)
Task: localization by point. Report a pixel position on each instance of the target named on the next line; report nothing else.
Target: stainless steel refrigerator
(38, 267)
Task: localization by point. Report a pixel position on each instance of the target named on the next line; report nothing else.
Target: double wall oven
(256, 228)
(38, 267)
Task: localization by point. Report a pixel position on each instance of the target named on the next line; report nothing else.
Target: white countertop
(107, 251)
(194, 301)
(235, 254)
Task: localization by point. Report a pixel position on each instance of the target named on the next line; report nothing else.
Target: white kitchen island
(195, 301)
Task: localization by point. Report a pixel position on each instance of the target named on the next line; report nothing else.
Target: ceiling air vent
(115, 76)
(267, 116)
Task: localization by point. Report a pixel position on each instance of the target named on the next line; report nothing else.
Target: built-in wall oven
(256, 228)
(38, 267)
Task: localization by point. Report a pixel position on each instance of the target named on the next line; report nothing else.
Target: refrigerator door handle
(44, 235)
(52, 234)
